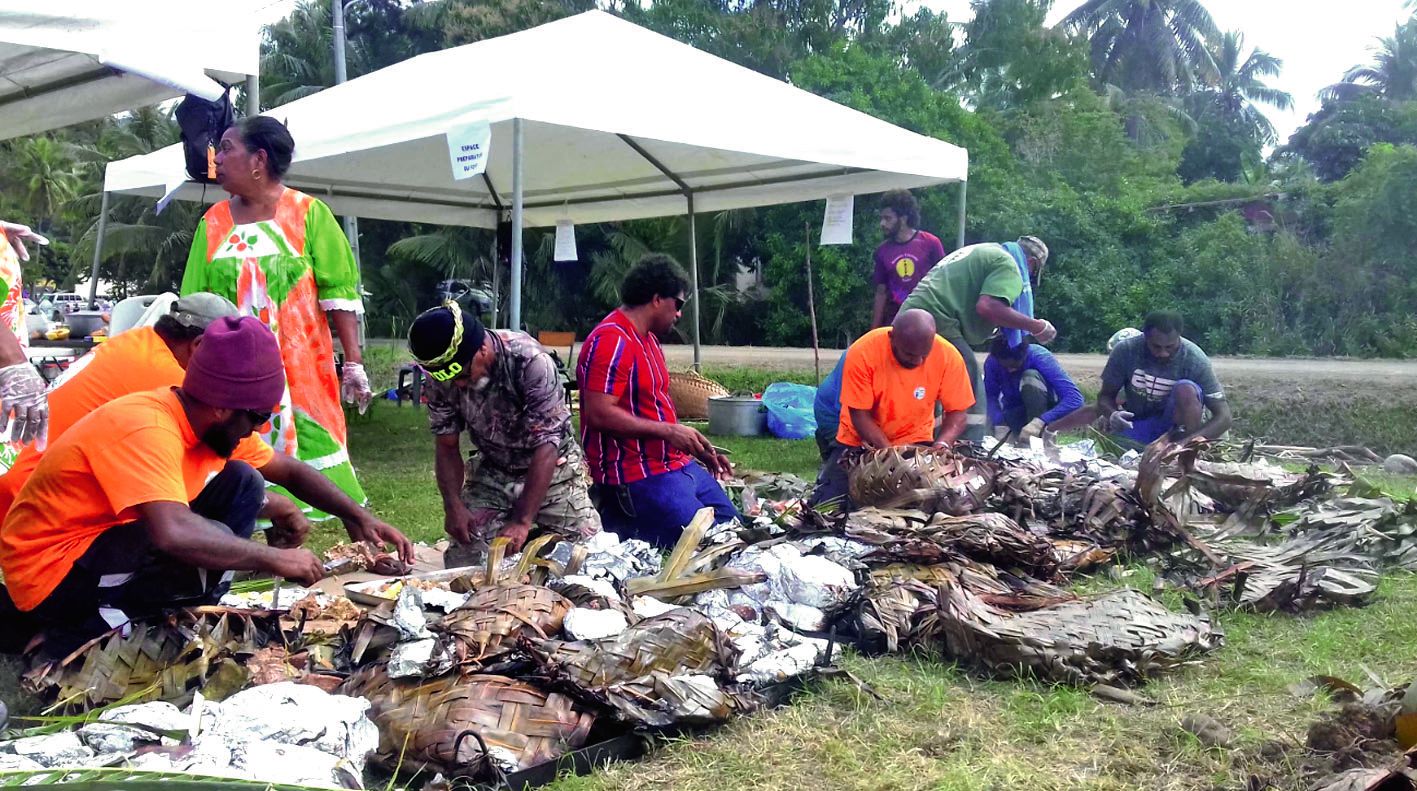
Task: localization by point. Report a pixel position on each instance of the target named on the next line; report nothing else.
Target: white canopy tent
(591, 119)
(66, 61)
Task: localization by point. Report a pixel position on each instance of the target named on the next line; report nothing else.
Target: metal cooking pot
(738, 416)
(84, 322)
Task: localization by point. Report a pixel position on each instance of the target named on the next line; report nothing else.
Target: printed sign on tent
(836, 222)
(565, 241)
(468, 147)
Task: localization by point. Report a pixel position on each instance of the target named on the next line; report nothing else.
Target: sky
(1318, 40)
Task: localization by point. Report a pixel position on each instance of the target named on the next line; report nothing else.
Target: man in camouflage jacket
(528, 474)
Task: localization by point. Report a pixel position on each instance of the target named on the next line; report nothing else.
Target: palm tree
(1240, 85)
(1393, 73)
(1148, 45)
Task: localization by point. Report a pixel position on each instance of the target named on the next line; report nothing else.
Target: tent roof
(602, 101)
(66, 61)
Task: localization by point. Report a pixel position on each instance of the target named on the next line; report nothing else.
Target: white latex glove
(1120, 421)
(23, 404)
(1047, 334)
(1033, 429)
(354, 386)
(1000, 432)
(18, 235)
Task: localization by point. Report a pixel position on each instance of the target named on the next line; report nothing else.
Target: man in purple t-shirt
(903, 258)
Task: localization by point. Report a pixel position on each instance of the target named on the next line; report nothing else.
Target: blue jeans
(1149, 428)
(657, 508)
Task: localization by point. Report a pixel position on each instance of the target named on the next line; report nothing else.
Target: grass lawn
(940, 727)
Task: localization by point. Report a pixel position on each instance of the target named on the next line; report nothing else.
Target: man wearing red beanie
(148, 502)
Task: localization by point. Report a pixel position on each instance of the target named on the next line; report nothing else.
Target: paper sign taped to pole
(468, 148)
(836, 222)
(565, 241)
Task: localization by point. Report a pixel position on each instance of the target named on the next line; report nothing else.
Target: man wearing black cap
(501, 388)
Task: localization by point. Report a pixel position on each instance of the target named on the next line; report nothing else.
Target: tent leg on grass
(694, 275)
(959, 235)
(514, 291)
(98, 250)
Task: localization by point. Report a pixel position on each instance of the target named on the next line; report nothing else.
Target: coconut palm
(1240, 86)
(1392, 74)
(1148, 45)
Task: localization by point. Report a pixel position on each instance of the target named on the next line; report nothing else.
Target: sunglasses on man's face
(258, 418)
(679, 303)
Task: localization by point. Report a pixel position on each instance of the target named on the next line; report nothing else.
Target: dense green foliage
(1129, 137)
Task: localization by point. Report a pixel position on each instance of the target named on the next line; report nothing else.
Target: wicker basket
(690, 392)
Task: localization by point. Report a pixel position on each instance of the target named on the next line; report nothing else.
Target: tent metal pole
(959, 235)
(351, 223)
(98, 250)
(253, 95)
(514, 292)
(694, 276)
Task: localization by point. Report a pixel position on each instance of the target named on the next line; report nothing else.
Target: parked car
(68, 303)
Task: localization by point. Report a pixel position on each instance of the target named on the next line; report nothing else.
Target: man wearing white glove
(979, 291)
(1169, 386)
(1028, 391)
(23, 408)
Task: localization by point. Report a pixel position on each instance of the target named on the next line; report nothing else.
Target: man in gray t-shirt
(1168, 382)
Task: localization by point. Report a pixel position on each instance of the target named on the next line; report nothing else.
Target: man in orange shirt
(892, 379)
(143, 358)
(130, 511)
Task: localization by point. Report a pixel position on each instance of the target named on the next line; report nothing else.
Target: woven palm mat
(665, 669)
(926, 478)
(422, 723)
(199, 648)
(1121, 637)
(490, 622)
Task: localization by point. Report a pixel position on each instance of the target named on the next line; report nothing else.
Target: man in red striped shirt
(652, 474)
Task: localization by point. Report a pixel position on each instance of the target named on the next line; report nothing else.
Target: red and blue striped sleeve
(606, 360)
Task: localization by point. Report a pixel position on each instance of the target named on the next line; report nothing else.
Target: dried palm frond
(1070, 504)
(489, 623)
(168, 659)
(1255, 486)
(443, 724)
(1121, 637)
(687, 572)
(927, 478)
(910, 537)
(749, 488)
(898, 603)
(660, 671)
(1163, 496)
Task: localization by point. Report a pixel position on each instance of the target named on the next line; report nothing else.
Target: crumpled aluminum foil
(422, 658)
(585, 624)
(610, 558)
(54, 749)
(408, 617)
(109, 737)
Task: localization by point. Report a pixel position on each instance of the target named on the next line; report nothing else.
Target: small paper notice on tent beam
(565, 241)
(836, 223)
(468, 148)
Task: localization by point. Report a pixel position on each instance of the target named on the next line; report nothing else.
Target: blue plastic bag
(790, 414)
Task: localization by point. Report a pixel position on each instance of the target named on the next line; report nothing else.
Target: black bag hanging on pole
(202, 124)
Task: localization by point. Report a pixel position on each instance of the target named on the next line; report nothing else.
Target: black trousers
(123, 577)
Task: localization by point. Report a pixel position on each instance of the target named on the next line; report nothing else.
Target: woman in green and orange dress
(279, 255)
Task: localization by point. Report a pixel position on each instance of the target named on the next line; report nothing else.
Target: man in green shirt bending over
(978, 291)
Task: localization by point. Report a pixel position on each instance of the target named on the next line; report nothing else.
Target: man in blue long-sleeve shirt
(1026, 390)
